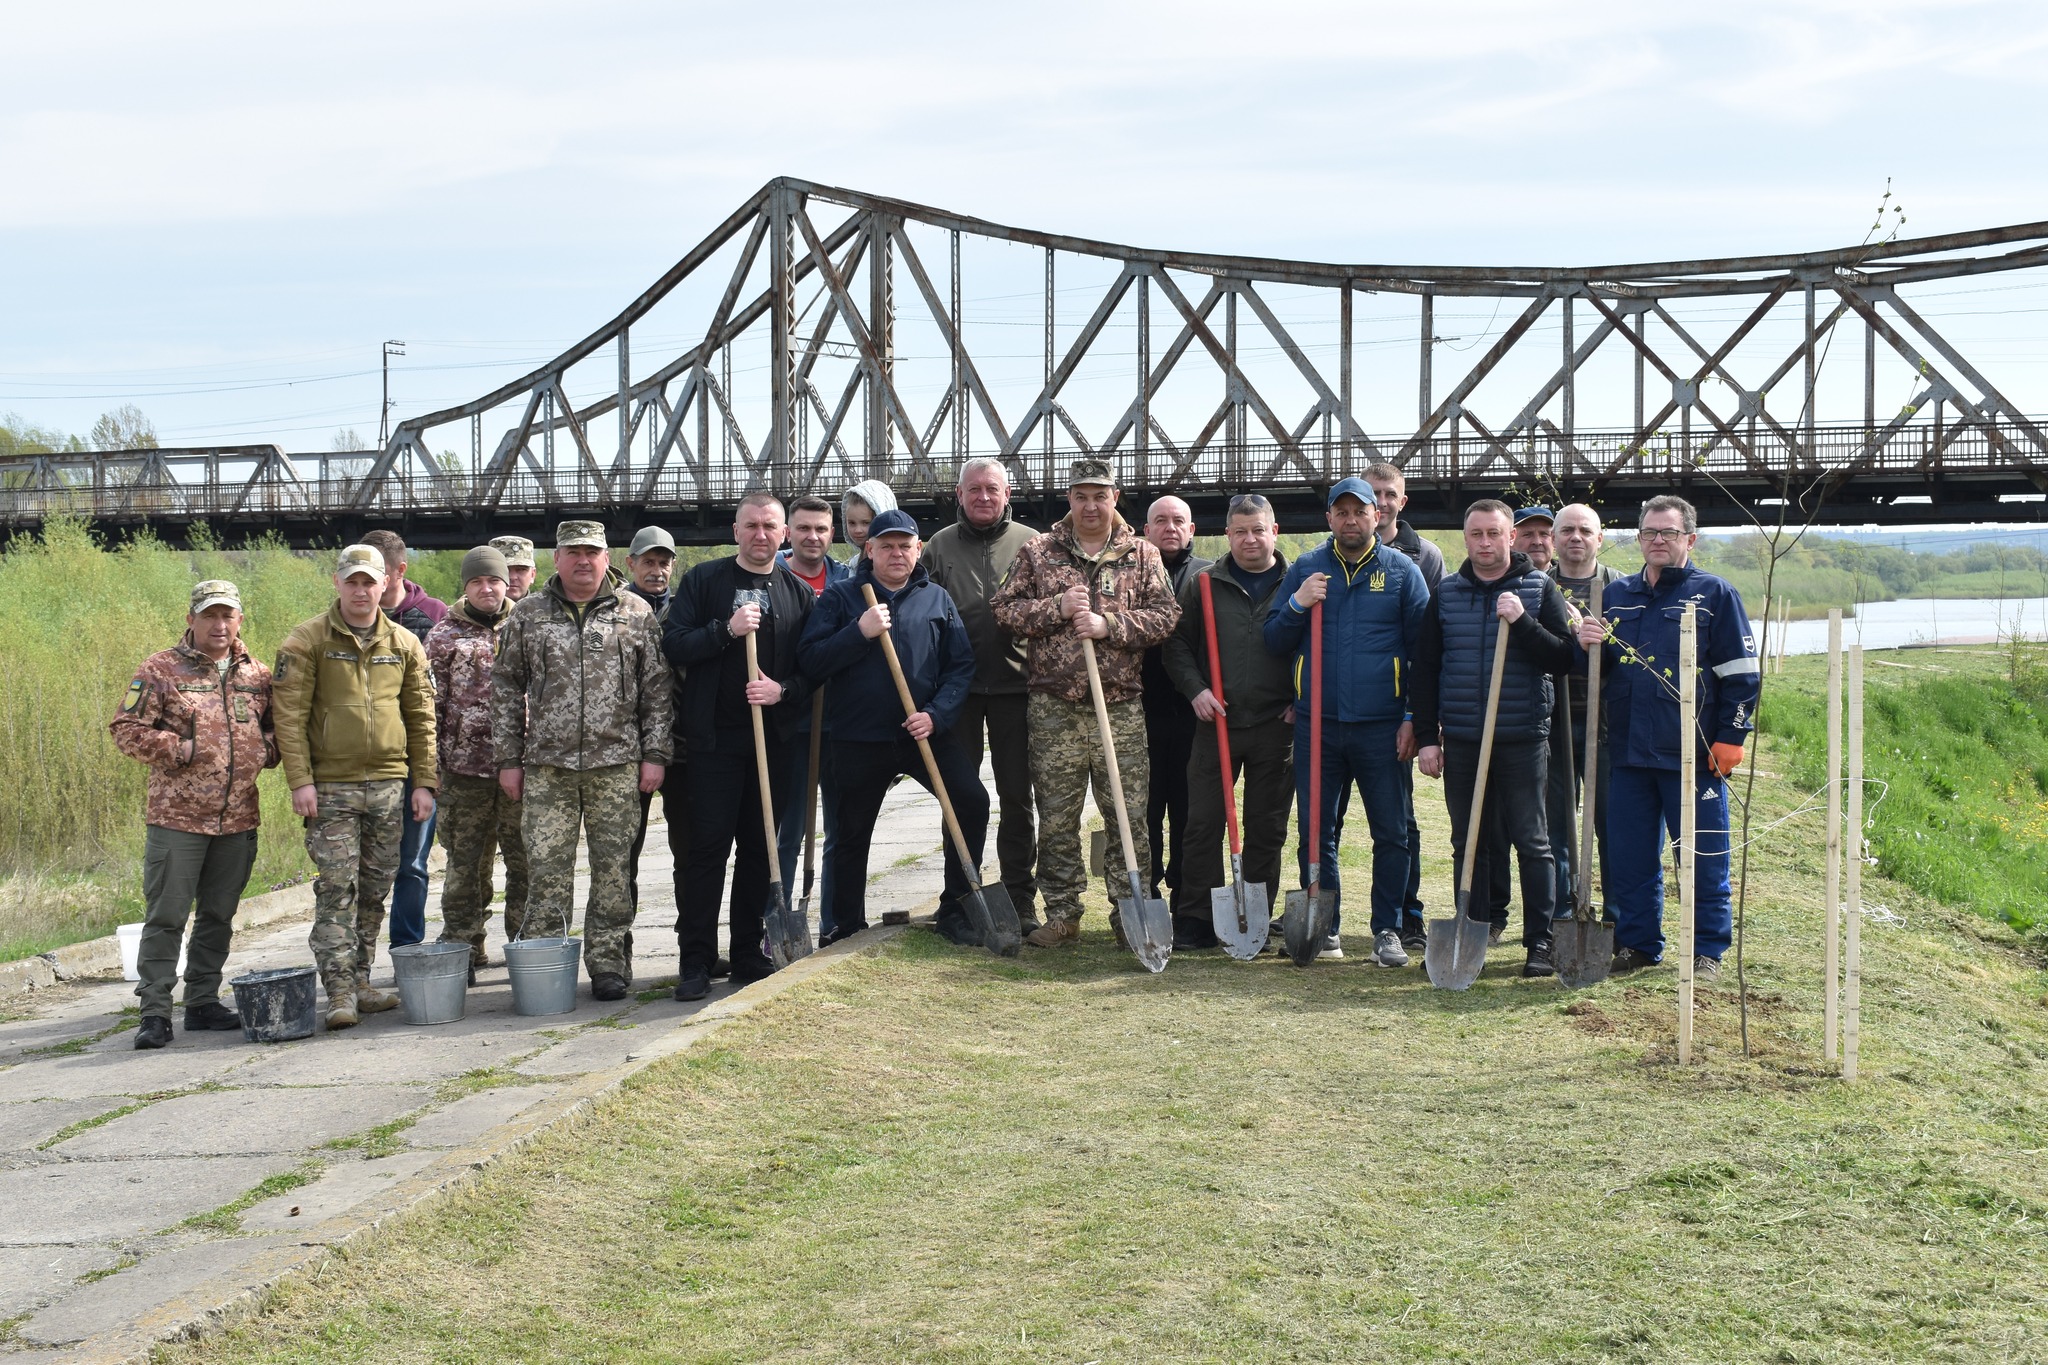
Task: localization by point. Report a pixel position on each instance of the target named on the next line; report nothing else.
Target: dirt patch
(1588, 1017)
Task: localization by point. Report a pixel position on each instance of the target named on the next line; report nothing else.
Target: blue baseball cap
(894, 521)
(1523, 514)
(1357, 488)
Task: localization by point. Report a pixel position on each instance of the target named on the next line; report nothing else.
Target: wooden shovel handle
(931, 763)
(1222, 724)
(1500, 666)
(1116, 781)
(761, 762)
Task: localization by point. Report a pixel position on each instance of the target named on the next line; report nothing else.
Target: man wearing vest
(1373, 604)
(1453, 673)
(1639, 703)
(1257, 692)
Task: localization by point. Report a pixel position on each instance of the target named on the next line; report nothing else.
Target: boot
(370, 1000)
(341, 1011)
(1054, 932)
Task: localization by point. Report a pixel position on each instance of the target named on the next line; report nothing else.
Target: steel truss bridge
(818, 336)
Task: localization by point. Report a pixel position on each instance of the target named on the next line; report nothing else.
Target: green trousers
(181, 871)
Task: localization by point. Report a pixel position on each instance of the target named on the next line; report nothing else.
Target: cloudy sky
(218, 210)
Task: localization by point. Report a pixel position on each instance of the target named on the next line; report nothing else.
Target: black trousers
(1169, 739)
(1602, 898)
(999, 718)
(675, 808)
(864, 772)
(1264, 754)
(725, 809)
(1516, 816)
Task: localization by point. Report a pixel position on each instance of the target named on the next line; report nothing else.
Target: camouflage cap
(1091, 472)
(213, 592)
(589, 533)
(360, 559)
(518, 550)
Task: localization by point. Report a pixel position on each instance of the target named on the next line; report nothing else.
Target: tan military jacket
(580, 691)
(460, 651)
(178, 694)
(349, 712)
(1127, 584)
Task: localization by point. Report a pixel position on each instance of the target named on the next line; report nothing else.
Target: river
(1925, 620)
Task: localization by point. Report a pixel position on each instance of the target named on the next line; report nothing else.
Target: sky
(218, 211)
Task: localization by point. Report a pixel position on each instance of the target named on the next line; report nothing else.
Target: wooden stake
(1852, 985)
(1688, 820)
(1831, 879)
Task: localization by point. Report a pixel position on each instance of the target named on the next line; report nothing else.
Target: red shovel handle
(1222, 725)
(1315, 748)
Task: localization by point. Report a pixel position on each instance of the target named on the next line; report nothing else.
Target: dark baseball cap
(1353, 487)
(893, 522)
(1523, 514)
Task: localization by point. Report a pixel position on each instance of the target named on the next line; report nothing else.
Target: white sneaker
(1387, 949)
(1331, 947)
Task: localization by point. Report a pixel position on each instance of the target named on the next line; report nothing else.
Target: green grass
(228, 1217)
(930, 1154)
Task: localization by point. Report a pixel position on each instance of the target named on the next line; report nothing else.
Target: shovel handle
(761, 762)
(931, 763)
(1222, 724)
(1590, 801)
(811, 789)
(1116, 780)
(1500, 666)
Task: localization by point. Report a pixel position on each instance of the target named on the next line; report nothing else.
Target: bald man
(1169, 718)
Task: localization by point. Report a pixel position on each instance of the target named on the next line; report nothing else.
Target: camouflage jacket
(1127, 585)
(580, 685)
(459, 653)
(177, 695)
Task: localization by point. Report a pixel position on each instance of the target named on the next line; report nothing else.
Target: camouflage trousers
(1066, 758)
(353, 842)
(603, 804)
(477, 820)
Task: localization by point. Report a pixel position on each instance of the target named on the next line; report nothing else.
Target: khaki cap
(212, 592)
(589, 533)
(651, 538)
(518, 550)
(1091, 472)
(360, 559)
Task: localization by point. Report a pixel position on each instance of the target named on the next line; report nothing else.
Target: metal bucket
(433, 981)
(543, 972)
(276, 1006)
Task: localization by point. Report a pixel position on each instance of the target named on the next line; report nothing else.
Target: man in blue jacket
(810, 536)
(872, 744)
(1639, 701)
(1373, 603)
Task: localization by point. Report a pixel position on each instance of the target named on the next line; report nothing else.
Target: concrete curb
(235, 1295)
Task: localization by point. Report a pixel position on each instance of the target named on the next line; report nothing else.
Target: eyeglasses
(1647, 533)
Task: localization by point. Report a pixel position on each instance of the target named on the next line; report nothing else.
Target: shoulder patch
(133, 701)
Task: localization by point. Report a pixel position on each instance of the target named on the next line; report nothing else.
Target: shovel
(803, 902)
(995, 918)
(1146, 925)
(789, 937)
(1457, 947)
(1243, 918)
(1306, 922)
(1582, 947)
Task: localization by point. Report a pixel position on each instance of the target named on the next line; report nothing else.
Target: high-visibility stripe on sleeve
(1735, 668)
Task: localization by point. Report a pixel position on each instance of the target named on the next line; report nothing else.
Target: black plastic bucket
(276, 1006)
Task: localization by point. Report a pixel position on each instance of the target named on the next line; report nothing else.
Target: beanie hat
(485, 561)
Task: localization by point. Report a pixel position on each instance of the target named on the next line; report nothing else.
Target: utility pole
(391, 348)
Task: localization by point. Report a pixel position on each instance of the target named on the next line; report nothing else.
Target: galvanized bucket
(277, 1005)
(433, 981)
(543, 972)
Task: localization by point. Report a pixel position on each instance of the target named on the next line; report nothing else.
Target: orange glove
(1726, 758)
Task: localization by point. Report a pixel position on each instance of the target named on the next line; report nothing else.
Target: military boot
(370, 1000)
(341, 1000)
(1054, 932)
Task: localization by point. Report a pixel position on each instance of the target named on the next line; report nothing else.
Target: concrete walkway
(146, 1195)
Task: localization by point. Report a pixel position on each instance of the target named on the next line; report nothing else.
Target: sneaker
(1387, 949)
(211, 1015)
(607, 986)
(1706, 970)
(1629, 960)
(1539, 963)
(720, 969)
(1054, 933)
(694, 984)
(153, 1033)
(1330, 948)
(1414, 940)
(1495, 934)
(747, 973)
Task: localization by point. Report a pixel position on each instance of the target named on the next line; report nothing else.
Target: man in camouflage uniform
(199, 715)
(518, 552)
(354, 704)
(477, 817)
(1089, 577)
(580, 718)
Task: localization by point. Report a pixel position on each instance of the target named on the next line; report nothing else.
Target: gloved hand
(1726, 758)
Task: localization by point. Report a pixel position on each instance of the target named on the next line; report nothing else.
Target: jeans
(725, 810)
(789, 823)
(865, 770)
(1646, 810)
(409, 892)
(1601, 782)
(1515, 815)
(1359, 753)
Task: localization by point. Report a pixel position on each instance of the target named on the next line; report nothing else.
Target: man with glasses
(1639, 702)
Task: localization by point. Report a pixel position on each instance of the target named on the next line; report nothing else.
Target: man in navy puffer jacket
(872, 744)
(1373, 602)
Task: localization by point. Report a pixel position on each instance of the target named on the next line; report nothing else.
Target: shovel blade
(789, 937)
(1248, 941)
(1148, 929)
(1583, 951)
(1306, 923)
(996, 919)
(1456, 953)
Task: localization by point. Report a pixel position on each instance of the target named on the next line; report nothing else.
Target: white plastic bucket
(129, 938)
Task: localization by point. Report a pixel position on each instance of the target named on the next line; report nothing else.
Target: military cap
(589, 533)
(212, 592)
(518, 550)
(360, 559)
(1523, 514)
(893, 522)
(1089, 471)
(652, 538)
(1353, 487)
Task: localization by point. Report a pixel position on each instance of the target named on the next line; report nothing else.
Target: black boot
(211, 1015)
(155, 1032)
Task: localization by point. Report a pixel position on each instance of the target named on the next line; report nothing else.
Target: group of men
(526, 718)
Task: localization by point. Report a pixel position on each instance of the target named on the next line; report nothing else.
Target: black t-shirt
(1256, 585)
(731, 712)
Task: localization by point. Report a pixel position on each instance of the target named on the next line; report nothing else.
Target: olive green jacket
(346, 712)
